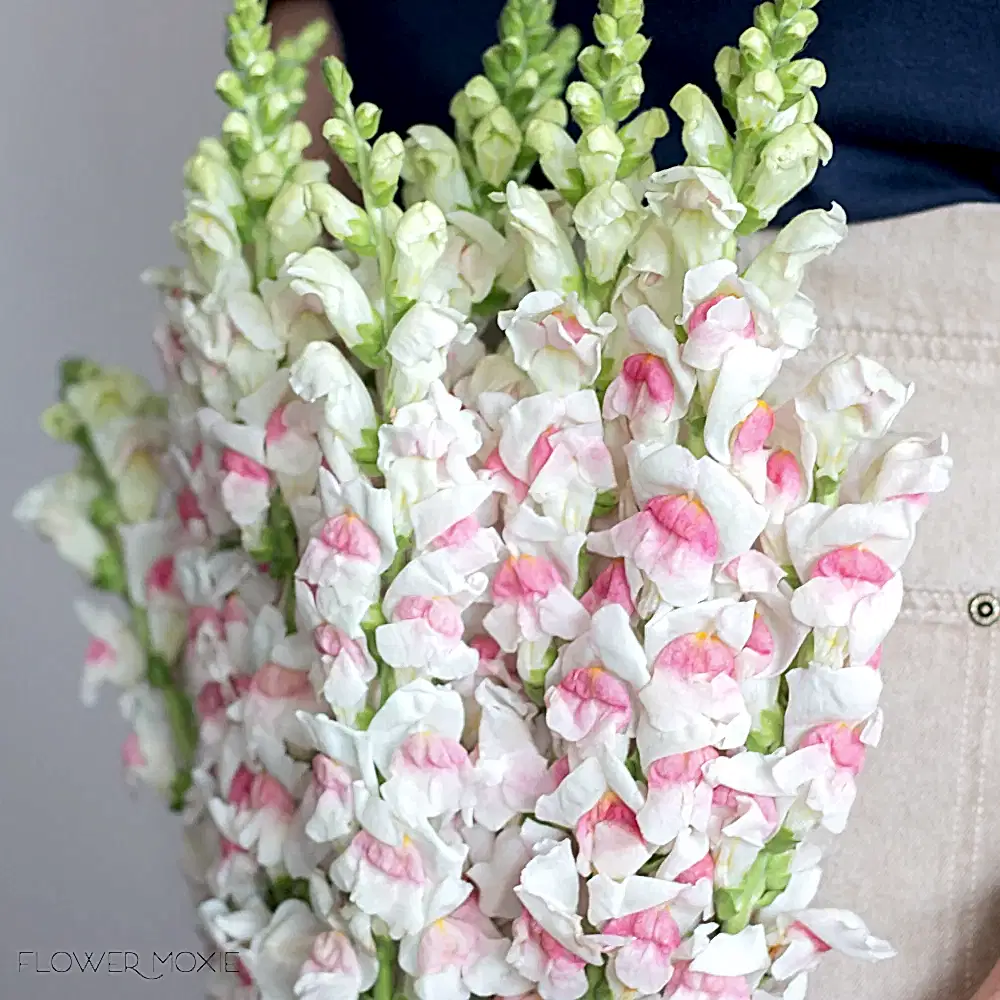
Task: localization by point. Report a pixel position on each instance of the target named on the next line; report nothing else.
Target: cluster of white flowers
(545, 670)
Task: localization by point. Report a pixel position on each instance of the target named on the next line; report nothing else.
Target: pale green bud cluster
(590, 173)
(99, 408)
(265, 90)
(769, 93)
(525, 77)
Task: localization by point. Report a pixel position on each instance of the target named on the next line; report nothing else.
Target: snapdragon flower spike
(543, 669)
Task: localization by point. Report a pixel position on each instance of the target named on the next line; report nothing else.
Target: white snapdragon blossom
(322, 372)
(699, 207)
(348, 550)
(113, 655)
(58, 510)
(851, 400)
(556, 341)
(419, 345)
(321, 274)
(424, 455)
(556, 446)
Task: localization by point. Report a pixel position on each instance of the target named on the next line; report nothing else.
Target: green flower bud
(511, 23)
(229, 87)
(791, 39)
(586, 104)
(433, 169)
(139, 485)
(591, 63)
(341, 218)
(555, 111)
(558, 156)
(275, 110)
(607, 219)
(758, 99)
(309, 39)
(755, 48)
(626, 94)
(263, 175)
(367, 117)
(420, 240)
(74, 371)
(801, 76)
(342, 141)
(481, 95)
(384, 167)
(261, 66)
(60, 422)
(493, 65)
(639, 136)
(621, 8)
(238, 135)
(727, 69)
(109, 574)
(338, 80)
(765, 17)
(600, 152)
(635, 48)
(787, 164)
(564, 47)
(605, 29)
(496, 142)
(705, 138)
(513, 52)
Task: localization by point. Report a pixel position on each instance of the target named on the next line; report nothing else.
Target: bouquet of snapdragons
(494, 625)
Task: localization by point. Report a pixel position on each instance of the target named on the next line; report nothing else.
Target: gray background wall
(102, 102)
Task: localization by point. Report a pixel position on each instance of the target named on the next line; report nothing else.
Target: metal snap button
(984, 609)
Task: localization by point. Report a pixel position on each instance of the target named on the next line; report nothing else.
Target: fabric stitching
(968, 917)
(963, 762)
(960, 353)
(944, 607)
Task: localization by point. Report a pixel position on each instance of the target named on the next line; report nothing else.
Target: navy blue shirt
(912, 102)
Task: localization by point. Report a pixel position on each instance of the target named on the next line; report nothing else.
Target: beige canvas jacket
(920, 860)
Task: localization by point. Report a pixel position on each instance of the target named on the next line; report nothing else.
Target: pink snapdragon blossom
(611, 586)
(257, 814)
(531, 591)
(556, 445)
(431, 777)
(332, 798)
(345, 669)
(688, 985)
(677, 796)
(720, 312)
(511, 770)
(540, 958)
(599, 800)
(695, 514)
(643, 964)
(113, 653)
(591, 687)
(586, 699)
(335, 968)
(694, 699)
(148, 751)
(458, 955)
(849, 559)
(397, 879)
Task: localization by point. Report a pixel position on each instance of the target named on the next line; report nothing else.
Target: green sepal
(282, 888)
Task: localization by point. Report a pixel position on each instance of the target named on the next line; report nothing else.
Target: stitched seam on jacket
(941, 607)
(947, 349)
(968, 918)
(955, 906)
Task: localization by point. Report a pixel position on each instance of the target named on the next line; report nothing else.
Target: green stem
(386, 950)
(159, 674)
